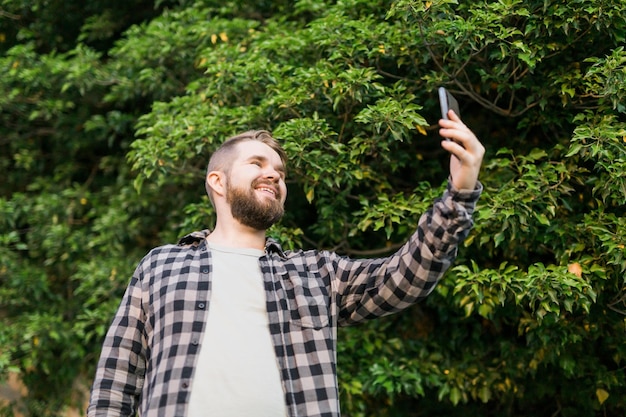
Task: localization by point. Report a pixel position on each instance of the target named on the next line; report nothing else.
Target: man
(227, 324)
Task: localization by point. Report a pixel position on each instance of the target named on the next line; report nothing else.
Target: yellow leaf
(310, 194)
(602, 395)
(576, 269)
(3, 37)
(83, 201)
(421, 130)
(428, 4)
(214, 39)
(224, 37)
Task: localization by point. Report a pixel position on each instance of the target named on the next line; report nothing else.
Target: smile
(267, 190)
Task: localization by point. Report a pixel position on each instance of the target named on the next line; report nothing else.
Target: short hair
(221, 159)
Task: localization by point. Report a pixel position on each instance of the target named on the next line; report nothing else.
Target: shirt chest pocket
(309, 301)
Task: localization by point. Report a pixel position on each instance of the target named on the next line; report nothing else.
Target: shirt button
(201, 306)
(194, 342)
(205, 270)
(185, 385)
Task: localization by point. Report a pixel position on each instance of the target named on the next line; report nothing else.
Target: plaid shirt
(151, 349)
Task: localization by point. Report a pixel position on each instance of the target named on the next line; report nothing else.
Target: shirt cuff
(466, 198)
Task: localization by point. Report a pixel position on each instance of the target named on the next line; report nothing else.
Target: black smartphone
(447, 102)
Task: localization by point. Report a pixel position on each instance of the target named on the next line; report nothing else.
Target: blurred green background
(110, 109)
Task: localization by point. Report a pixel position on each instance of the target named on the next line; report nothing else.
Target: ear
(216, 181)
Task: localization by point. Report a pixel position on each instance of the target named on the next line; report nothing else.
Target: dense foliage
(110, 109)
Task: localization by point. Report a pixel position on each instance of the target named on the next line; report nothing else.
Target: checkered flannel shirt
(151, 349)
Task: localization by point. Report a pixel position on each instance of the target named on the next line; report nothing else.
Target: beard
(250, 211)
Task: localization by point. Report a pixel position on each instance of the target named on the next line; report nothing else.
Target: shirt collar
(195, 238)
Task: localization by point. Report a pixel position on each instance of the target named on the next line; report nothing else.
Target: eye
(257, 163)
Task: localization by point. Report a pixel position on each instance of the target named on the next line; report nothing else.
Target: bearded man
(228, 324)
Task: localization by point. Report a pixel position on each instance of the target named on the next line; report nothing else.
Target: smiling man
(228, 324)
(246, 183)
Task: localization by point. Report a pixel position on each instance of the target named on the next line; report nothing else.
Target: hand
(467, 152)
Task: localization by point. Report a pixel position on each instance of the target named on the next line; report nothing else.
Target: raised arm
(375, 287)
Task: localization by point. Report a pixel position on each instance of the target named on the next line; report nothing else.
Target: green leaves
(389, 116)
(601, 141)
(551, 290)
(107, 127)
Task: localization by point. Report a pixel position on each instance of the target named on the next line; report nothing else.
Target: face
(255, 188)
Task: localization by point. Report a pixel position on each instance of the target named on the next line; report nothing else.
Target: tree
(101, 130)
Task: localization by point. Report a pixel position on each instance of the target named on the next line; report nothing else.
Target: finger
(465, 147)
(454, 148)
(453, 123)
(459, 134)
(453, 116)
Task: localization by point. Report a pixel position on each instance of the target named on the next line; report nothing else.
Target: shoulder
(166, 251)
(171, 254)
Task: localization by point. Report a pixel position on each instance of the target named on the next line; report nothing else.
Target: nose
(272, 174)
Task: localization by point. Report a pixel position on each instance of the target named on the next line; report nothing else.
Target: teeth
(266, 189)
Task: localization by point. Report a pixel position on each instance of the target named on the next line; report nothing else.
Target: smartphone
(447, 102)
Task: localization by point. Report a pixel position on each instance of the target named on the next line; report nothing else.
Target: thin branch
(613, 304)
(9, 15)
(558, 410)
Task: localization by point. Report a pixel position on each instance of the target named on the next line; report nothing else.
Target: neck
(238, 236)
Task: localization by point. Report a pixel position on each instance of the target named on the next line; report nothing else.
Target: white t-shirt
(237, 373)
